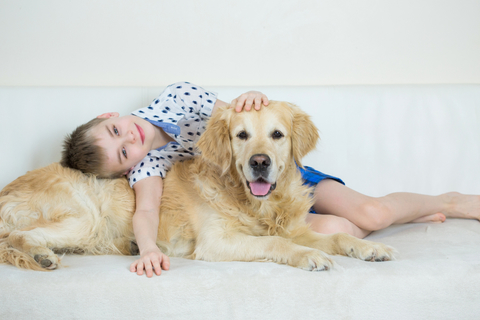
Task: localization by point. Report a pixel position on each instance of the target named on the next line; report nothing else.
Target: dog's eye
(242, 135)
(277, 134)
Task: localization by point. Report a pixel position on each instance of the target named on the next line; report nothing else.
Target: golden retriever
(241, 200)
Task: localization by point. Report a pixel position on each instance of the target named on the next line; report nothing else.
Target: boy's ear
(109, 115)
(126, 172)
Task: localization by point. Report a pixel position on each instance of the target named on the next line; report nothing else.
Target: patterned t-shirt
(181, 110)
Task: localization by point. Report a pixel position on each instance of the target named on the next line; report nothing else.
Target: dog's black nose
(260, 162)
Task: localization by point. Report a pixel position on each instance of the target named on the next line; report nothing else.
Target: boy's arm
(148, 193)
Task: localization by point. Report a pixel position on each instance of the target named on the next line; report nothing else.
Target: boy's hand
(152, 260)
(248, 99)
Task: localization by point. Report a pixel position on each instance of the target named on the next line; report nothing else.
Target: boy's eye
(115, 131)
(124, 152)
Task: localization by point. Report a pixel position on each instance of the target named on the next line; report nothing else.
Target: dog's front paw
(45, 258)
(372, 251)
(311, 260)
(134, 251)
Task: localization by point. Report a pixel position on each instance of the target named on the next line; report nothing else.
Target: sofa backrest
(378, 139)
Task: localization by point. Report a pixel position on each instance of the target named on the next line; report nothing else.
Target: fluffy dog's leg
(346, 245)
(242, 247)
(17, 258)
(34, 244)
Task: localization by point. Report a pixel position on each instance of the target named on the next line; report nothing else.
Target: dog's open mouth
(260, 187)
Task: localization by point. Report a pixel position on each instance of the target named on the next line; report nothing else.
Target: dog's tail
(15, 257)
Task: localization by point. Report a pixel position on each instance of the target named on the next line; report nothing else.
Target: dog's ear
(214, 144)
(304, 134)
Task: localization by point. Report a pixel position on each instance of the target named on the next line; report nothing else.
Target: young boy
(145, 144)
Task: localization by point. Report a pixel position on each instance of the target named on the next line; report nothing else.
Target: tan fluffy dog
(241, 200)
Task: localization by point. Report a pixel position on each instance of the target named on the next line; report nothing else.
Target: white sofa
(378, 139)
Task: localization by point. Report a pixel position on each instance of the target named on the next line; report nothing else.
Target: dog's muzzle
(260, 169)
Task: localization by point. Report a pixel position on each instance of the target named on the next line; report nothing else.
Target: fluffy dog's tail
(19, 259)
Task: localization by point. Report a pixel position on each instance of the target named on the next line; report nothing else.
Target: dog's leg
(16, 257)
(33, 243)
(242, 247)
(37, 242)
(346, 245)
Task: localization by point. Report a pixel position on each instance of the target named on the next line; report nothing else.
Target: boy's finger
(233, 103)
(258, 103)
(265, 101)
(140, 268)
(238, 107)
(248, 104)
(241, 101)
(149, 270)
(156, 267)
(133, 267)
(166, 263)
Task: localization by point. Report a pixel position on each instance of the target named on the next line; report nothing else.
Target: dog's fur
(208, 210)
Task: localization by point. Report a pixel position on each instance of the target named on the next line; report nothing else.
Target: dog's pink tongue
(260, 188)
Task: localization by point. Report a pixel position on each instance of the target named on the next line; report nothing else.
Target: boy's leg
(369, 213)
(330, 224)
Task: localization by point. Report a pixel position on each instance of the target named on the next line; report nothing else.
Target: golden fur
(208, 211)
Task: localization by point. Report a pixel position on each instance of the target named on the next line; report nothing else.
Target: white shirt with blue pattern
(181, 110)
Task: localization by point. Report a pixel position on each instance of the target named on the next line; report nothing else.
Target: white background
(119, 55)
(248, 42)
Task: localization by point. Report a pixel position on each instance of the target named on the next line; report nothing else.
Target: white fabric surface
(378, 139)
(436, 276)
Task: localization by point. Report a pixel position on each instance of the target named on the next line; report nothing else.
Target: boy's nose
(130, 137)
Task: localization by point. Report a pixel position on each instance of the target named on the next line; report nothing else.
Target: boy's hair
(81, 152)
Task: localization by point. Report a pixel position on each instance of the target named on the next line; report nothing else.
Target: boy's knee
(375, 215)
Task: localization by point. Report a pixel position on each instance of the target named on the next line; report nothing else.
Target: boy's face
(126, 140)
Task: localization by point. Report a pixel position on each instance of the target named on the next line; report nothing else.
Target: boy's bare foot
(459, 205)
(436, 217)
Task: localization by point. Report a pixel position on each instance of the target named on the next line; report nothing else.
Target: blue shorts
(312, 177)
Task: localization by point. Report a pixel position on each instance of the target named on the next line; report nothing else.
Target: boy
(145, 144)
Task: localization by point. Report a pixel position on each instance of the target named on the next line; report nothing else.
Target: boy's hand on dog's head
(249, 99)
(151, 261)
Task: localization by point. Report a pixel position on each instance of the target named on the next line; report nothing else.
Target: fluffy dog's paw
(45, 258)
(372, 251)
(312, 260)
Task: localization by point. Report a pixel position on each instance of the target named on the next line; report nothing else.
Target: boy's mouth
(140, 131)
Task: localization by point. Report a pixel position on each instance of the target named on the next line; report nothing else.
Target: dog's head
(259, 145)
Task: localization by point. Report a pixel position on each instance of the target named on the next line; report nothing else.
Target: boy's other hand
(152, 260)
(249, 99)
